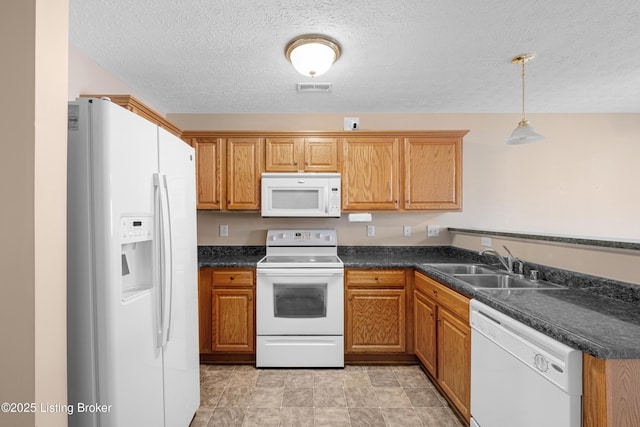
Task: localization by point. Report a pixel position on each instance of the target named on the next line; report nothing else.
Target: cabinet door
(454, 359)
(244, 157)
(209, 157)
(204, 309)
(233, 319)
(433, 173)
(282, 155)
(370, 174)
(375, 321)
(321, 155)
(424, 313)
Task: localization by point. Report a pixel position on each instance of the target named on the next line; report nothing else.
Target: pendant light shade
(524, 133)
(312, 54)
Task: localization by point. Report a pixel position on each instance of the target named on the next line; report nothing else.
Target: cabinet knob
(295, 163)
(435, 292)
(306, 163)
(376, 279)
(408, 202)
(231, 277)
(250, 298)
(350, 298)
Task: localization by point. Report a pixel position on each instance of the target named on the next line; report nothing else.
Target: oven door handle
(293, 272)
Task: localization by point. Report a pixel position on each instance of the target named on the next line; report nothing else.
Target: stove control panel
(307, 237)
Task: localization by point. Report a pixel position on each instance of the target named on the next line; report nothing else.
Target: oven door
(300, 301)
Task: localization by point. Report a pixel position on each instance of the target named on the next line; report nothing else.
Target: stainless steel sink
(464, 268)
(504, 281)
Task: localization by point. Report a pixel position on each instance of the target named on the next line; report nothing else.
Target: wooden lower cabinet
(424, 312)
(454, 359)
(375, 311)
(443, 339)
(227, 310)
(610, 392)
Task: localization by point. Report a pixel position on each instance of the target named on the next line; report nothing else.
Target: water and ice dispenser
(137, 254)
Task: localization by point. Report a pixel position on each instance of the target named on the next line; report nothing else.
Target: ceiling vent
(313, 87)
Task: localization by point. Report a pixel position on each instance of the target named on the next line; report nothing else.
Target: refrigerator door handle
(166, 259)
(157, 254)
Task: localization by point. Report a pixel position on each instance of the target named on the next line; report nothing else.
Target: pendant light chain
(524, 133)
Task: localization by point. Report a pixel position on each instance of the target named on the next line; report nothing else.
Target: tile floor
(240, 395)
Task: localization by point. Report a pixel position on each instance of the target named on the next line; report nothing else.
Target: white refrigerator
(132, 271)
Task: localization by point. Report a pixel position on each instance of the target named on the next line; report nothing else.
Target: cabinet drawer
(375, 278)
(241, 277)
(445, 296)
(424, 284)
(452, 300)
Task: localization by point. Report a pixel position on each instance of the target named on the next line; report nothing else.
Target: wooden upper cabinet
(209, 172)
(370, 173)
(381, 170)
(321, 154)
(433, 173)
(281, 154)
(244, 168)
(289, 154)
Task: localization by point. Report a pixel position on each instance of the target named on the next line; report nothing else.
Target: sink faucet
(507, 261)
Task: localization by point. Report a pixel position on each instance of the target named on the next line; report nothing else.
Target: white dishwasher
(519, 376)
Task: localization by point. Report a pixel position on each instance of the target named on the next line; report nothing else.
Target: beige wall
(33, 216)
(87, 77)
(614, 264)
(251, 229)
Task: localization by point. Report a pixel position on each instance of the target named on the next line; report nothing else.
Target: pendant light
(312, 54)
(524, 133)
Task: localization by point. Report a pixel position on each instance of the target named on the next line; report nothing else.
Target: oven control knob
(541, 363)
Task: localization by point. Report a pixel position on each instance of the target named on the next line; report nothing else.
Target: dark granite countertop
(230, 256)
(598, 316)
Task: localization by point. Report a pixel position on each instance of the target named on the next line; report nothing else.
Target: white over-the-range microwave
(305, 194)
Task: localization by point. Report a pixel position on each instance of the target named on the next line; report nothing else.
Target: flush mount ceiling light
(312, 54)
(524, 133)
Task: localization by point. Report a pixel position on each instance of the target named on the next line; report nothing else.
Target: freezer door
(180, 294)
(114, 358)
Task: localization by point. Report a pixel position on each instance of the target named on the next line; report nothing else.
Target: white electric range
(300, 300)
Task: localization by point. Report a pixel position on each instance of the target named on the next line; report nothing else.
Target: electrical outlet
(406, 230)
(224, 230)
(433, 230)
(351, 123)
(486, 241)
(371, 230)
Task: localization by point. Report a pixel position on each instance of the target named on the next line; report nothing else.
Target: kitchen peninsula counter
(598, 316)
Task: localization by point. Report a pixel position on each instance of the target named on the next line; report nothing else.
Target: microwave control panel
(334, 200)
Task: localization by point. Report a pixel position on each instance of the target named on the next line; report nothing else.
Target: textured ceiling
(448, 56)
